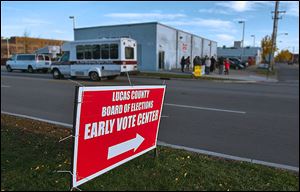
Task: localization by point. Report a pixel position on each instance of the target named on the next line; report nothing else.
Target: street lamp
(253, 40)
(243, 22)
(73, 18)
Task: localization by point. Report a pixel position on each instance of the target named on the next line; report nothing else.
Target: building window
(105, 51)
(114, 51)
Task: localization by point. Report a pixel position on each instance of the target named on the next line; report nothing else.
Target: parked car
(263, 66)
(236, 63)
(29, 62)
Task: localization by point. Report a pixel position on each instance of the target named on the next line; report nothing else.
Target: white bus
(96, 58)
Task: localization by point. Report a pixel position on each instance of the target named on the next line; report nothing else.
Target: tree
(284, 56)
(266, 46)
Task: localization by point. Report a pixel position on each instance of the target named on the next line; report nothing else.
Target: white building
(160, 47)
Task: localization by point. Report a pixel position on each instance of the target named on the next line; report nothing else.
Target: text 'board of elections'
(113, 126)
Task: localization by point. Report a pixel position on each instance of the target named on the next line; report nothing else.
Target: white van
(96, 58)
(29, 62)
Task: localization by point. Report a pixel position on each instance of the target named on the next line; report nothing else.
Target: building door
(161, 60)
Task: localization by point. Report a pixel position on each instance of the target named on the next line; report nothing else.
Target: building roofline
(37, 38)
(118, 25)
(146, 23)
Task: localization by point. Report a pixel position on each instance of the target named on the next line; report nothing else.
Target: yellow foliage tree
(266, 46)
(284, 56)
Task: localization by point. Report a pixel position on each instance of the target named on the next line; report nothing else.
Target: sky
(215, 20)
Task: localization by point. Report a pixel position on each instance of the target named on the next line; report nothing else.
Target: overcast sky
(216, 20)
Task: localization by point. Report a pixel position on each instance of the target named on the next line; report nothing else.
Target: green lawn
(31, 155)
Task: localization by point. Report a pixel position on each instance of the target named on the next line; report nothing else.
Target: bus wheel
(112, 77)
(56, 74)
(8, 68)
(94, 76)
(30, 69)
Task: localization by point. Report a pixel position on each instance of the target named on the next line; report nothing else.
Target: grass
(31, 155)
(262, 71)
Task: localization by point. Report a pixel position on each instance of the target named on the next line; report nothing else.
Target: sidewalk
(248, 75)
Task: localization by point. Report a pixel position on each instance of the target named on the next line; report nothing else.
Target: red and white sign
(184, 47)
(113, 126)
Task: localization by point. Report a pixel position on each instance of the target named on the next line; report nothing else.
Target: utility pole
(253, 40)
(73, 18)
(274, 34)
(293, 55)
(7, 47)
(243, 22)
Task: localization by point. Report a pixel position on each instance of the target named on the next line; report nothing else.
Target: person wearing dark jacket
(188, 62)
(213, 64)
(182, 63)
(221, 65)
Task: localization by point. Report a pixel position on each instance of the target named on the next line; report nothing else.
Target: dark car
(236, 63)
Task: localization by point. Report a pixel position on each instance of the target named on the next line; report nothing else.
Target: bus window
(88, 52)
(80, 52)
(96, 51)
(105, 51)
(129, 53)
(114, 51)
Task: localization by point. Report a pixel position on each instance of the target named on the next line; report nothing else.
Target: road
(257, 121)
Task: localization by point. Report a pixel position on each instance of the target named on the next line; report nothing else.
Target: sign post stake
(74, 132)
(128, 78)
(155, 153)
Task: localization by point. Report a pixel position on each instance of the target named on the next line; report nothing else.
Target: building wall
(206, 48)
(153, 40)
(144, 34)
(214, 48)
(184, 45)
(196, 47)
(26, 45)
(167, 42)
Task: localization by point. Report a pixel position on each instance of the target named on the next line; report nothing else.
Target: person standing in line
(188, 62)
(213, 64)
(207, 65)
(194, 62)
(227, 65)
(221, 65)
(182, 63)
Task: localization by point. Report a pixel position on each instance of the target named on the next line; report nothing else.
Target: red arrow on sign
(118, 149)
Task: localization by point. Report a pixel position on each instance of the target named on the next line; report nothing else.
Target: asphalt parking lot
(259, 121)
